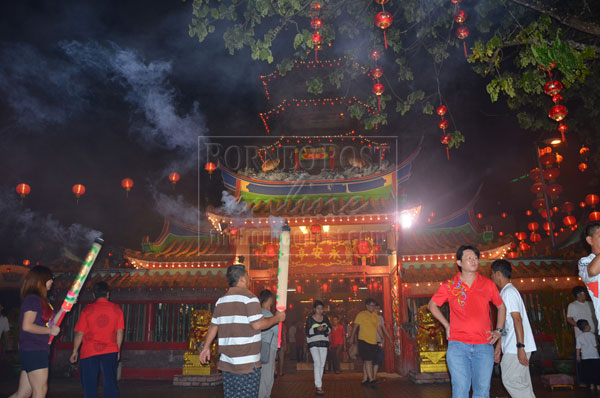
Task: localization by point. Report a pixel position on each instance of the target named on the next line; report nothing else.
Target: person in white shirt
(589, 266)
(517, 342)
(587, 355)
(580, 309)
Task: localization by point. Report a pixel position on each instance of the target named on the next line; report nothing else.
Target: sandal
(320, 391)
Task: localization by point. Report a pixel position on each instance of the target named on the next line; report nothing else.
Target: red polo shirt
(469, 308)
(99, 322)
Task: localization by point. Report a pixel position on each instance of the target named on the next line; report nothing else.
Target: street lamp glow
(406, 220)
(556, 141)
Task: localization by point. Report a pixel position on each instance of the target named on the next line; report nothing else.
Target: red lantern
(552, 173)
(78, 190)
(567, 207)
(462, 32)
(26, 262)
(528, 213)
(533, 226)
(582, 204)
(234, 231)
(479, 216)
(584, 150)
(547, 226)
(460, 16)
(569, 221)
(582, 166)
(559, 158)
(538, 203)
(592, 199)
(299, 289)
(553, 87)
(378, 89)
(354, 289)
(210, 167)
(432, 214)
(521, 235)
(504, 215)
(512, 255)
(315, 229)
(325, 287)
(23, 190)
(377, 72)
(500, 233)
(555, 209)
(316, 38)
(383, 20)
(594, 216)
(270, 250)
(535, 237)
(544, 214)
(534, 174)
(174, 177)
(536, 188)
(444, 124)
(375, 55)
(563, 128)
(441, 110)
(127, 183)
(558, 113)
(364, 247)
(547, 159)
(554, 189)
(524, 246)
(316, 23)
(316, 6)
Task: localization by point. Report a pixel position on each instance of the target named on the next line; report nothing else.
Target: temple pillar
(389, 351)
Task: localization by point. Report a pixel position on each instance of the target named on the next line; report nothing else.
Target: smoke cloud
(176, 208)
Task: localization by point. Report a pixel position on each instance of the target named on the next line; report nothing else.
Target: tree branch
(575, 23)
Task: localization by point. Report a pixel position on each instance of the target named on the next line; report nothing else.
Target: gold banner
(320, 254)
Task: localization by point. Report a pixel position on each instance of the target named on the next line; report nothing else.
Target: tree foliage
(509, 41)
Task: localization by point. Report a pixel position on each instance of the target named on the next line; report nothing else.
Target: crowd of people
(247, 331)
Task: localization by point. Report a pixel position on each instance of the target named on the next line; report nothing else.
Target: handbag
(265, 350)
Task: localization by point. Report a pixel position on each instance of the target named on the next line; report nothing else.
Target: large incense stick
(73, 293)
(282, 274)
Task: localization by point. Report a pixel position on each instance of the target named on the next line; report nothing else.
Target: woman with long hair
(317, 329)
(37, 323)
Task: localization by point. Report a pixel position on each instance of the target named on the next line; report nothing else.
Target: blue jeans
(91, 367)
(470, 364)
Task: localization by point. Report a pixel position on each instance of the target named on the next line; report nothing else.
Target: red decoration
(234, 231)
(528, 213)
(534, 174)
(315, 229)
(210, 167)
(325, 287)
(554, 189)
(383, 20)
(375, 55)
(551, 173)
(270, 250)
(569, 221)
(582, 204)
(377, 72)
(479, 216)
(536, 188)
(364, 247)
(521, 235)
(462, 32)
(444, 124)
(553, 87)
(299, 289)
(538, 203)
(547, 159)
(316, 38)
(354, 289)
(23, 190)
(504, 215)
(547, 226)
(594, 216)
(316, 23)
(381, 2)
(127, 183)
(441, 110)
(26, 262)
(460, 16)
(558, 112)
(582, 167)
(567, 207)
(583, 150)
(174, 177)
(592, 199)
(544, 214)
(535, 237)
(563, 128)
(533, 226)
(512, 254)
(524, 246)
(78, 190)
(378, 89)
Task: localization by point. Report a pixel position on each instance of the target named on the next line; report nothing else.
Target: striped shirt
(239, 343)
(314, 337)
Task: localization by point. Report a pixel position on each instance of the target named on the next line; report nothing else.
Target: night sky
(96, 92)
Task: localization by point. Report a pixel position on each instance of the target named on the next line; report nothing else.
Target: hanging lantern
(299, 289)
(500, 233)
(462, 32)
(375, 55)
(270, 250)
(26, 262)
(567, 207)
(441, 110)
(479, 216)
(512, 254)
(460, 16)
(316, 23)
(554, 189)
(547, 159)
(315, 7)
(594, 216)
(557, 113)
(536, 188)
(582, 204)
(533, 226)
(551, 173)
(535, 237)
(545, 215)
(174, 177)
(534, 174)
(569, 221)
(521, 235)
(592, 199)
(555, 209)
(563, 128)
(524, 246)
(383, 20)
(364, 247)
(78, 190)
(316, 38)
(210, 167)
(325, 287)
(553, 87)
(377, 72)
(233, 231)
(547, 226)
(528, 213)
(584, 150)
(504, 215)
(582, 167)
(354, 289)
(538, 203)
(559, 158)
(444, 124)
(378, 89)
(315, 229)
(127, 184)
(23, 190)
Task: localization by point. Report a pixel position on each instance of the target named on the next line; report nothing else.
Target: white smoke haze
(176, 208)
(31, 228)
(43, 91)
(231, 206)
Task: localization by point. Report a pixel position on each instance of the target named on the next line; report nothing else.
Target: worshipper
(517, 342)
(581, 308)
(37, 323)
(587, 354)
(268, 346)
(99, 333)
(337, 344)
(366, 324)
(470, 354)
(317, 330)
(238, 320)
(589, 266)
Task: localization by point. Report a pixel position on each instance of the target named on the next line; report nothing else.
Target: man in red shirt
(100, 327)
(337, 344)
(471, 339)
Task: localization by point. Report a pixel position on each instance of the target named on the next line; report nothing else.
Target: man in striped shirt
(238, 320)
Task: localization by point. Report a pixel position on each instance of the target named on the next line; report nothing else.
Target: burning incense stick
(282, 274)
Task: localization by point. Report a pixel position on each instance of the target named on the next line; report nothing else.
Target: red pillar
(389, 322)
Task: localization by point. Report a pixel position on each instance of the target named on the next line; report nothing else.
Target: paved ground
(294, 385)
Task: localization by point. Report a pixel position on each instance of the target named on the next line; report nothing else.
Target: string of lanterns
(443, 125)
(583, 152)
(462, 32)
(316, 24)
(558, 112)
(377, 72)
(383, 20)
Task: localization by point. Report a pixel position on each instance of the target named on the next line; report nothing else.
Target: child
(587, 354)
(589, 266)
